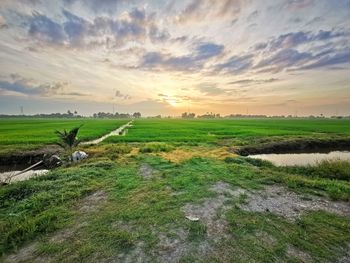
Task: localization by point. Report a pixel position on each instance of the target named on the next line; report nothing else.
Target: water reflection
(302, 159)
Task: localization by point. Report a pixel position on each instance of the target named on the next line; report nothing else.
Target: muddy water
(12, 173)
(15, 176)
(302, 159)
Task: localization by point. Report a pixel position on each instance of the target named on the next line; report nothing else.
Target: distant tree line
(211, 115)
(185, 115)
(108, 115)
(71, 114)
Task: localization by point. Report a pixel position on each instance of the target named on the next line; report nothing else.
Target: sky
(268, 57)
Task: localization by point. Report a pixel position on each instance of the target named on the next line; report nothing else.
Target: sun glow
(172, 102)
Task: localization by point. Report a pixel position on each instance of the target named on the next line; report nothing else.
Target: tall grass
(329, 169)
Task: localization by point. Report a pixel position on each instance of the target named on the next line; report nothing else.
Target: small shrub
(333, 169)
(330, 169)
(258, 162)
(156, 147)
(118, 149)
(235, 160)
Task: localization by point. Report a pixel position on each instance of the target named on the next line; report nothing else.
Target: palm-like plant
(68, 139)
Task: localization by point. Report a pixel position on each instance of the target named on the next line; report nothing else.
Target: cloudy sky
(167, 57)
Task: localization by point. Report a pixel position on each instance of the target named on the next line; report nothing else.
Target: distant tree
(70, 114)
(137, 115)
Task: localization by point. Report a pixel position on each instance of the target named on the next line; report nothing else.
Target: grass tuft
(156, 147)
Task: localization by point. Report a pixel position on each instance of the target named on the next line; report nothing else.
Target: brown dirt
(278, 200)
(346, 257)
(211, 211)
(147, 172)
(172, 247)
(26, 253)
(266, 238)
(92, 202)
(174, 244)
(300, 255)
(29, 157)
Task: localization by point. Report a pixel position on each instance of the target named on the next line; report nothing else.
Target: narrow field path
(116, 132)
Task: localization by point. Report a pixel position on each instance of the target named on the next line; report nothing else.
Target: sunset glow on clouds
(167, 57)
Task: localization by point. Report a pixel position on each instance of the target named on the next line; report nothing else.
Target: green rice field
(177, 130)
(172, 190)
(29, 133)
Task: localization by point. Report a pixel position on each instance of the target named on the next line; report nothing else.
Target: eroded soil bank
(295, 146)
(21, 158)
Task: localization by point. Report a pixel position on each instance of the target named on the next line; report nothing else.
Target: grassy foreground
(129, 201)
(129, 205)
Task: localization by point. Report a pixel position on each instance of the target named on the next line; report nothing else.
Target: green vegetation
(155, 147)
(236, 131)
(331, 169)
(33, 133)
(134, 209)
(68, 140)
(129, 200)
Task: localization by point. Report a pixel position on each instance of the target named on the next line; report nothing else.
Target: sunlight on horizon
(157, 57)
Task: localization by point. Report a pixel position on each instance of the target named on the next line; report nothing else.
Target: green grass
(142, 213)
(140, 210)
(209, 131)
(155, 147)
(331, 169)
(32, 133)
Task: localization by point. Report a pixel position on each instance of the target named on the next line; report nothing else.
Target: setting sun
(172, 102)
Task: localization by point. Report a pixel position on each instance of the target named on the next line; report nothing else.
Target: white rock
(77, 156)
(192, 218)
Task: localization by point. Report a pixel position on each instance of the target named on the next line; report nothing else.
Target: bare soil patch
(300, 255)
(211, 211)
(280, 201)
(92, 202)
(26, 253)
(28, 157)
(147, 172)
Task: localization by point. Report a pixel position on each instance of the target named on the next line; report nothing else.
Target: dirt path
(116, 132)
